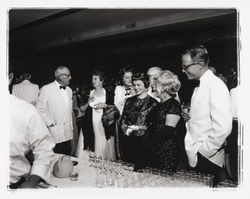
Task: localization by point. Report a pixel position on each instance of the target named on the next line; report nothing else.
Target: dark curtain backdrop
(140, 50)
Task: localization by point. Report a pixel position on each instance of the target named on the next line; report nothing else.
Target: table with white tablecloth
(95, 172)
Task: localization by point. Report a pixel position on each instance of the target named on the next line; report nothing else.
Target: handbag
(110, 115)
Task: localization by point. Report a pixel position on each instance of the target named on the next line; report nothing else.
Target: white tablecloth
(98, 173)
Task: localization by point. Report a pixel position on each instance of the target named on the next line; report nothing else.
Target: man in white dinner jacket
(26, 90)
(55, 107)
(209, 121)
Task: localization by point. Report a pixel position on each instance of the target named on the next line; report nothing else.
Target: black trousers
(208, 167)
(231, 151)
(63, 148)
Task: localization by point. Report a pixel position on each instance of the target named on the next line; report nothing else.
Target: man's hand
(31, 182)
(185, 116)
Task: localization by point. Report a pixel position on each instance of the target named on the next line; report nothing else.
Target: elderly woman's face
(127, 79)
(96, 82)
(139, 87)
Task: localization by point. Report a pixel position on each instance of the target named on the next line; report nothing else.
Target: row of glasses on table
(121, 174)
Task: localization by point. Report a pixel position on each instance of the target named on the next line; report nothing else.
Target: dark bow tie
(63, 87)
(197, 83)
(128, 87)
(127, 90)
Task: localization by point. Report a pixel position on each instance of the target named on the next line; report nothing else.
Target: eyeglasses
(185, 67)
(68, 75)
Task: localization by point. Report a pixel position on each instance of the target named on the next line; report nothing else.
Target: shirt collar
(25, 81)
(206, 75)
(58, 85)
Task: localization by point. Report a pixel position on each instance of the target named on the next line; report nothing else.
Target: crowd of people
(139, 120)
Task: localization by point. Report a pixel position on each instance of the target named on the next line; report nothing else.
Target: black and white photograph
(124, 97)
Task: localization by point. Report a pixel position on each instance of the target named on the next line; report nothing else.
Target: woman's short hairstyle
(198, 52)
(142, 77)
(100, 74)
(169, 82)
(122, 71)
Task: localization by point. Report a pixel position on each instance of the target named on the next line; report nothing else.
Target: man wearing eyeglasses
(55, 106)
(209, 121)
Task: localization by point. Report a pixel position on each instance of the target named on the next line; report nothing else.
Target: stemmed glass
(185, 107)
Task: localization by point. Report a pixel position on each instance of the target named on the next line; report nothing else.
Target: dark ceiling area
(41, 29)
(111, 38)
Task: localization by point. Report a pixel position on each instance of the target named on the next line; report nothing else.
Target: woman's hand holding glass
(84, 107)
(100, 106)
(132, 128)
(128, 131)
(91, 99)
(91, 102)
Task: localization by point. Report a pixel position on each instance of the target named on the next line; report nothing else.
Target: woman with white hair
(160, 139)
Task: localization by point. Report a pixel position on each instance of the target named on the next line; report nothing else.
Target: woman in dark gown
(133, 120)
(160, 138)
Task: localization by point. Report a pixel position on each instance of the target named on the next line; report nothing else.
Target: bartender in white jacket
(209, 121)
(28, 132)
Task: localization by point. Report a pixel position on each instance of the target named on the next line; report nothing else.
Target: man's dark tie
(197, 83)
(63, 87)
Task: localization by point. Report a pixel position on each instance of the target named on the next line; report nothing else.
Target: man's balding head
(153, 73)
(62, 75)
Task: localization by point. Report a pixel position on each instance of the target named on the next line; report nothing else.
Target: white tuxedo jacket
(210, 121)
(28, 131)
(54, 110)
(26, 91)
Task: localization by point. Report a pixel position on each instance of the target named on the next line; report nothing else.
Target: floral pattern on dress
(136, 111)
(164, 154)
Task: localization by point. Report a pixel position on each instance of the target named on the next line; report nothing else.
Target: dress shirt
(210, 120)
(28, 131)
(64, 94)
(26, 91)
